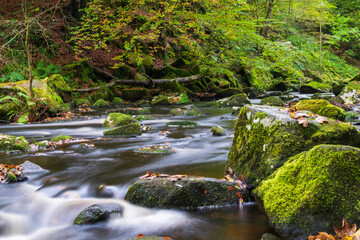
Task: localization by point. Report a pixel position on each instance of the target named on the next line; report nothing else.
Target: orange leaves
(6, 169)
(345, 232)
(303, 118)
(173, 178)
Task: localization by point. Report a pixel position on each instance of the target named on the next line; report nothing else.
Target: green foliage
(12, 77)
(42, 70)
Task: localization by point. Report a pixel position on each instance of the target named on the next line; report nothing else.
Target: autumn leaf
(140, 236)
(303, 121)
(322, 236)
(346, 229)
(205, 192)
(231, 188)
(166, 238)
(321, 119)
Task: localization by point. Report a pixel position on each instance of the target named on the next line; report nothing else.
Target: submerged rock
(121, 125)
(97, 213)
(272, 101)
(189, 110)
(187, 193)
(184, 123)
(118, 102)
(11, 143)
(218, 131)
(313, 191)
(321, 107)
(266, 137)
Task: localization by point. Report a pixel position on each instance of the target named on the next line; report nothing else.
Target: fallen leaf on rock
(303, 121)
(321, 119)
(140, 236)
(231, 188)
(345, 229)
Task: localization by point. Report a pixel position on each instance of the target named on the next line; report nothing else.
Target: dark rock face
(187, 193)
(97, 213)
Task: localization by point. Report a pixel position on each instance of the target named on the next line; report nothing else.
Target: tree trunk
(269, 8)
(27, 48)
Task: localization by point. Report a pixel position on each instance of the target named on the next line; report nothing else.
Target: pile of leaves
(239, 180)
(303, 118)
(160, 148)
(173, 178)
(11, 173)
(345, 232)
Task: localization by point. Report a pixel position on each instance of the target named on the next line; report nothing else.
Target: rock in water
(10, 143)
(313, 191)
(322, 107)
(97, 213)
(218, 131)
(187, 193)
(121, 125)
(266, 137)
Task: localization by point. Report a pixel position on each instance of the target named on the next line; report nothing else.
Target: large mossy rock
(315, 87)
(321, 107)
(351, 92)
(189, 110)
(121, 125)
(272, 101)
(235, 100)
(266, 137)
(313, 191)
(11, 143)
(187, 193)
(97, 213)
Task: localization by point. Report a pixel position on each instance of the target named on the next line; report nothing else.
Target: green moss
(313, 191)
(217, 131)
(185, 111)
(118, 119)
(272, 101)
(60, 138)
(117, 101)
(24, 118)
(349, 116)
(131, 129)
(101, 103)
(173, 86)
(57, 83)
(321, 87)
(266, 138)
(82, 102)
(187, 193)
(145, 117)
(182, 124)
(11, 178)
(103, 93)
(235, 100)
(134, 94)
(140, 77)
(321, 107)
(9, 143)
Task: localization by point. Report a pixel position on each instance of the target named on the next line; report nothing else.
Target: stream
(76, 177)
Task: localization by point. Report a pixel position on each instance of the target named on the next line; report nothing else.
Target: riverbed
(76, 176)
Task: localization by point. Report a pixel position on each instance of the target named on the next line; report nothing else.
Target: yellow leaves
(303, 117)
(345, 232)
(173, 178)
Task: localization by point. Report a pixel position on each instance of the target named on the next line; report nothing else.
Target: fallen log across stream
(150, 81)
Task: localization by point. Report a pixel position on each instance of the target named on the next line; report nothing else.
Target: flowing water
(44, 207)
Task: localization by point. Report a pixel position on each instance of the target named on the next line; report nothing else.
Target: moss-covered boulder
(98, 213)
(81, 102)
(351, 116)
(313, 191)
(101, 103)
(60, 138)
(218, 131)
(269, 236)
(281, 86)
(266, 137)
(168, 99)
(184, 123)
(235, 100)
(187, 193)
(189, 110)
(134, 94)
(121, 125)
(351, 92)
(11, 143)
(315, 87)
(117, 101)
(228, 92)
(131, 111)
(272, 101)
(321, 107)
